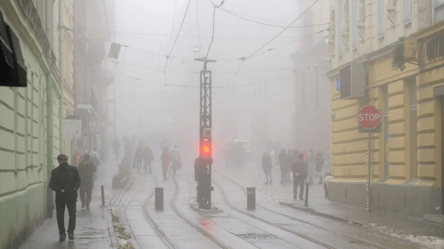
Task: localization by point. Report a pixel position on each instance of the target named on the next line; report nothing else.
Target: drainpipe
(62, 79)
(49, 113)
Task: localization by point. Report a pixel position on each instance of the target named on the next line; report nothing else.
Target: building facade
(398, 45)
(311, 119)
(30, 122)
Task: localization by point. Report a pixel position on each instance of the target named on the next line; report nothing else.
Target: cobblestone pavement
(93, 226)
(250, 176)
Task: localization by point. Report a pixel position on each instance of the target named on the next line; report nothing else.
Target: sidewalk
(92, 227)
(400, 226)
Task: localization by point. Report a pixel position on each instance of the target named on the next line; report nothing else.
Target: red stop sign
(369, 117)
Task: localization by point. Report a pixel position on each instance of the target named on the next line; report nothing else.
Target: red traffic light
(205, 149)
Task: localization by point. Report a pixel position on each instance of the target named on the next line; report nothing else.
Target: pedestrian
(282, 159)
(266, 166)
(75, 159)
(116, 147)
(311, 166)
(148, 157)
(86, 171)
(94, 158)
(138, 157)
(288, 163)
(277, 148)
(299, 170)
(65, 181)
(175, 159)
(319, 164)
(166, 158)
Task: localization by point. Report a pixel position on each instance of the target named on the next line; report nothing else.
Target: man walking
(266, 166)
(175, 159)
(166, 158)
(319, 163)
(86, 171)
(148, 157)
(299, 170)
(65, 181)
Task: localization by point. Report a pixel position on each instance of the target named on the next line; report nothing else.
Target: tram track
(355, 240)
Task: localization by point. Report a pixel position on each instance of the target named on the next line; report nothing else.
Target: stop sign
(369, 117)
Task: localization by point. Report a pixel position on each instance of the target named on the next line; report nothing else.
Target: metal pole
(103, 195)
(306, 193)
(369, 205)
(115, 82)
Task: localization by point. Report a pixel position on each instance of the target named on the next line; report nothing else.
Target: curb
(328, 216)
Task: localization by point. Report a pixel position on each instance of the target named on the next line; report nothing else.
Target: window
(407, 10)
(340, 12)
(354, 28)
(438, 10)
(381, 18)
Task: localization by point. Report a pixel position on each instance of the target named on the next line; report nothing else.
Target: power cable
(272, 25)
(178, 33)
(214, 20)
(106, 19)
(284, 28)
(197, 19)
(174, 20)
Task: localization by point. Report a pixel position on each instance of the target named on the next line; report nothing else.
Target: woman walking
(266, 166)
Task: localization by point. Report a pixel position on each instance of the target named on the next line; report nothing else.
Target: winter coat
(299, 168)
(67, 178)
(319, 162)
(86, 171)
(166, 158)
(148, 155)
(266, 163)
(175, 155)
(282, 160)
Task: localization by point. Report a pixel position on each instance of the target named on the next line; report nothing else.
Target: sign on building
(72, 129)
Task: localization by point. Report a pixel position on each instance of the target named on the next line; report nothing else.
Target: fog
(253, 100)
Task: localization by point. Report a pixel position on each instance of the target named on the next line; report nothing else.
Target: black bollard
(251, 198)
(306, 194)
(103, 195)
(159, 198)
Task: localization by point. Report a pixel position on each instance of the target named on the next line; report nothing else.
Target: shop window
(407, 10)
(340, 18)
(438, 10)
(413, 128)
(354, 28)
(381, 18)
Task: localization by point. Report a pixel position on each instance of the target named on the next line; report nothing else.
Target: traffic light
(205, 149)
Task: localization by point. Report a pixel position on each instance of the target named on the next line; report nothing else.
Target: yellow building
(406, 156)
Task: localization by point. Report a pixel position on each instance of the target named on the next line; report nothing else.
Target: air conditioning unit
(353, 81)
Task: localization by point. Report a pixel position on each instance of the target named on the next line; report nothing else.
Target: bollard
(103, 195)
(251, 198)
(306, 194)
(159, 198)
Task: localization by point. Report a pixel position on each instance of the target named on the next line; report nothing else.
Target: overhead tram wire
(214, 20)
(289, 25)
(177, 36)
(272, 25)
(197, 19)
(254, 53)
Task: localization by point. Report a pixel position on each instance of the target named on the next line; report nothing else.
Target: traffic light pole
(204, 167)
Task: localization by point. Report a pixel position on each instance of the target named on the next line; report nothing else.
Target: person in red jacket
(166, 158)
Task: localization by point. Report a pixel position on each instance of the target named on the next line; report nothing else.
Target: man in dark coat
(166, 159)
(86, 171)
(299, 170)
(266, 166)
(282, 165)
(319, 163)
(65, 181)
(148, 157)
